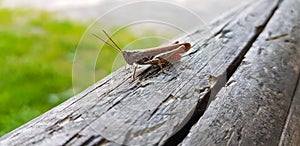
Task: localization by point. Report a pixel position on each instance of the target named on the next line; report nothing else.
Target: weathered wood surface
(161, 109)
(253, 109)
(291, 133)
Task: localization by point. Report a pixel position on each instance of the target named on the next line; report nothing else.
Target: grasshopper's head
(130, 56)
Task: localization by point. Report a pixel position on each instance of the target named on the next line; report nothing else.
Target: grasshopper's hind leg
(161, 67)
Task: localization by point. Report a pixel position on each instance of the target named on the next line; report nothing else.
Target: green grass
(35, 64)
(36, 56)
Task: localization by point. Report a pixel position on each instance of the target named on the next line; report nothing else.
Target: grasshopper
(155, 56)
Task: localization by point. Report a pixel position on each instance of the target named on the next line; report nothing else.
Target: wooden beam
(291, 132)
(186, 106)
(253, 109)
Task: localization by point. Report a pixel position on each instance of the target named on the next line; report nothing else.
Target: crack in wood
(288, 116)
(258, 29)
(205, 89)
(230, 83)
(76, 136)
(148, 130)
(165, 102)
(95, 141)
(181, 134)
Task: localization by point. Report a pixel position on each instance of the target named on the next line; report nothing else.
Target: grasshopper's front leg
(134, 65)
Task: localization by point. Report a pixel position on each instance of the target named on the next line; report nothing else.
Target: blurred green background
(37, 51)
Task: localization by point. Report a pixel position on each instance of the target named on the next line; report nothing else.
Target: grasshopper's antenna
(117, 48)
(111, 39)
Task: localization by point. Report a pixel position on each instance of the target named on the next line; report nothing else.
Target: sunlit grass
(35, 64)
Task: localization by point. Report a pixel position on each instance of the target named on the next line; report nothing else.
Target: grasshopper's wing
(170, 56)
(160, 50)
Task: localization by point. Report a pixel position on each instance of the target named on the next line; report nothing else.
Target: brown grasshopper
(155, 56)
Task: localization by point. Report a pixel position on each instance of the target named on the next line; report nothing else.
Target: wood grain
(256, 46)
(253, 109)
(291, 132)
